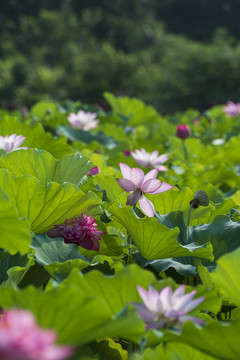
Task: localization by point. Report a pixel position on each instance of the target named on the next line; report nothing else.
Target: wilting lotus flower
(183, 131)
(137, 184)
(166, 307)
(80, 231)
(12, 142)
(232, 109)
(22, 339)
(83, 120)
(150, 160)
(94, 171)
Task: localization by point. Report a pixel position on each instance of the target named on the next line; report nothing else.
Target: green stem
(188, 222)
(129, 240)
(189, 214)
(185, 150)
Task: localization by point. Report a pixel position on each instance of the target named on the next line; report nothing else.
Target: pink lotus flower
(80, 231)
(232, 109)
(183, 131)
(150, 160)
(22, 339)
(83, 120)
(94, 171)
(137, 184)
(166, 307)
(12, 142)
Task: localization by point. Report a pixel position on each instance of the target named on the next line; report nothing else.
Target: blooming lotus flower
(166, 307)
(94, 171)
(232, 109)
(80, 231)
(22, 339)
(83, 120)
(150, 160)
(12, 142)
(135, 182)
(183, 131)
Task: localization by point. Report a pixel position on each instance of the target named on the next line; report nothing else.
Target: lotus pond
(120, 232)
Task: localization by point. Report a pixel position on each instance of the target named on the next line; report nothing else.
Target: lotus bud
(183, 131)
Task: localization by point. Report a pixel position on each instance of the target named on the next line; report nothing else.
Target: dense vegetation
(79, 49)
(90, 293)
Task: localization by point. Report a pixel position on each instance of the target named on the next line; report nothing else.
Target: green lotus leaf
(109, 184)
(223, 234)
(42, 165)
(227, 276)
(231, 149)
(15, 231)
(14, 264)
(176, 200)
(83, 314)
(175, 351)
(116, 290)
(48, 114)
(49, 251)
(87, 137)
(134, 109)
(46, 206)
(206, 339)
(36, 137)
(196, 184)
(113, 130)
(154, 240)
(109, 349)
(99, 160)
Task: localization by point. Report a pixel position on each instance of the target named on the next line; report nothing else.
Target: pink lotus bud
(183, 131)
(94, 171)
(127, 153)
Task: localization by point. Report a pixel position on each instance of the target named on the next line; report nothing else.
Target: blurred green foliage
(76, 49)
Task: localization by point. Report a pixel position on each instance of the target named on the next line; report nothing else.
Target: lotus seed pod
(202, 197)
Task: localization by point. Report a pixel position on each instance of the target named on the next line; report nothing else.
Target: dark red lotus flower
(81, 231)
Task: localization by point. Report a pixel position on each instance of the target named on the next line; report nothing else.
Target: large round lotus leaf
(46, 206)
(42, 165)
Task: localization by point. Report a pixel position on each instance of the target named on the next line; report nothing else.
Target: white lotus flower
(12, 142)
(83, 120)
(166, 307)
(150, 160)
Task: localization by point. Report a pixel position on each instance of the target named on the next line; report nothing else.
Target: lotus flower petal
(164, 187)
(125, 170)
(152, 174)
(149, 298)
(137, 176)
(126, 185)
(146, 206)
(151, 186)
